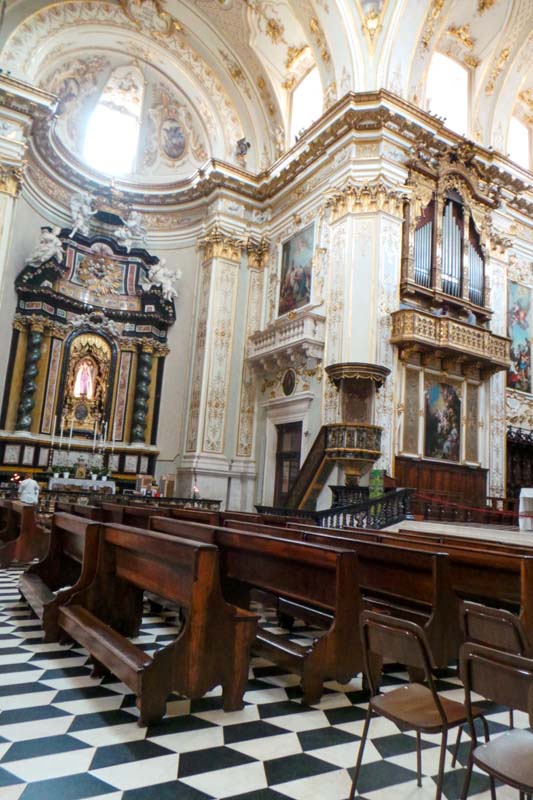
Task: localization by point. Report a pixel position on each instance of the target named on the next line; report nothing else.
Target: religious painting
(443, 422)
(172, 139)
(296, 270)
(519, 331)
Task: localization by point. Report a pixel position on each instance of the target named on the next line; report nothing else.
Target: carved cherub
(161, 275)
(81, 209)
(50, 246)
(132, 229)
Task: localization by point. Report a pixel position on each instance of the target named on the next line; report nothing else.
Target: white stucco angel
(49, 246)
(161, 275)
(81, 209)
(132, 229)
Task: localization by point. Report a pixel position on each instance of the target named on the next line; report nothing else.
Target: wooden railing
(379, 512)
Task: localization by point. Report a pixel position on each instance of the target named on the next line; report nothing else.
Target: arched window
(112, 133)
(518, 142)
(307, 103)
(447, 92)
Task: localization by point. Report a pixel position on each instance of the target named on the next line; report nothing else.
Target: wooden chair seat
(508, 758)
(504, 678)
(415, 705)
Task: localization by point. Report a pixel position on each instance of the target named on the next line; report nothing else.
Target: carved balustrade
(288, 341)
(413, 329)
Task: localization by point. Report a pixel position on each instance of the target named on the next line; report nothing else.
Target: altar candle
(61, 434)
(53, 432)
(94, 437)
(70, 435)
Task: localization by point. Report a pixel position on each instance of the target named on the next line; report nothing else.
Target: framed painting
(296, 270)
(443, 422)
(519, 331)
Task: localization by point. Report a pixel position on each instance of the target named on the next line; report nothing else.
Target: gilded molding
(171, 26)
(218, 244)
(498, 66)
(365, 198)
(11, 179)
(431, 20)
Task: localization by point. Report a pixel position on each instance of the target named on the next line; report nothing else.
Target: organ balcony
(414, 330)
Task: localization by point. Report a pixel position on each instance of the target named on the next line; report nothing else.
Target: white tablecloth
(83, 484)
(525, 506)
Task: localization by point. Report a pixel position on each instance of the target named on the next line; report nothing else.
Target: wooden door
(288, 454)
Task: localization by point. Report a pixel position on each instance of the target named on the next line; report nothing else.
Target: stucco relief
(222, 326)
(247, 399)
(519, 409)
(520, 270)
(390, 237)
(172, 134)
(199, 356)
(498, 295)
(334, 318)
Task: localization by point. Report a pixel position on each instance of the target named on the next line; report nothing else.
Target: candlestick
(70, 434)
(54, 421)
(61, 434)
(94, 437)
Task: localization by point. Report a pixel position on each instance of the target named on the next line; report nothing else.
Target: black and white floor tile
(67, 736)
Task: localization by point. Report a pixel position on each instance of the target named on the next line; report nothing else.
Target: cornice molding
(433, 150)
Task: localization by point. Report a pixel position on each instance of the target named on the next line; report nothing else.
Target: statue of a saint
(84, 382)
(49, 246)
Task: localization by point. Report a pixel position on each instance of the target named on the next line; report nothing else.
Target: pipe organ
(452, 248)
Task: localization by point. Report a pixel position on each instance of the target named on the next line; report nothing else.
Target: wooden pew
(195, 515)
(212, 647)
(414, 585)
(68, 567)
(135, 516)
(24, 540)
(80, 510)
(494, 573)
(316, 575)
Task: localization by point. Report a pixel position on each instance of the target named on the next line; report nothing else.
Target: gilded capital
(219, 244)
(257, 250)
(364, 198)
(11, 180)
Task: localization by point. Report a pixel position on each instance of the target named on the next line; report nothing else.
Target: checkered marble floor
(67, 736)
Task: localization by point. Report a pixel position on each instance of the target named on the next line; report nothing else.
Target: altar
(525, 506)
(81, 485)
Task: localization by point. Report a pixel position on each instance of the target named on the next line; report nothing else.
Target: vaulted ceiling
(229, 66)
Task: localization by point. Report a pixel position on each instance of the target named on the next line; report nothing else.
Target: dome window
(112, 134)
(306, 103)
(447, 91)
